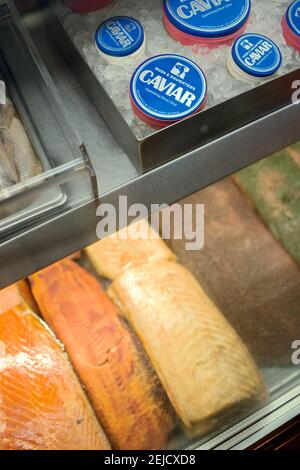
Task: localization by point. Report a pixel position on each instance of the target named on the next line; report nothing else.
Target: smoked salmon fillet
(131, 246)
(42, 405)
(202, 363)
(15, 295)
(123, 389)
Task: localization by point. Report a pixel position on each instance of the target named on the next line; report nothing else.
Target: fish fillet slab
(42, 405)
(111, 256)
(124, 390)
(200, 359)
(25, 159)
(8, 172)
(15, 295)
(247, 274)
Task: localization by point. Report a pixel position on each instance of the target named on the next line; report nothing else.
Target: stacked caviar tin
(120, 38)
(166, 89)
(209, 24)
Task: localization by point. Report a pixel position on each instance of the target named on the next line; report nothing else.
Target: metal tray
(194, 132)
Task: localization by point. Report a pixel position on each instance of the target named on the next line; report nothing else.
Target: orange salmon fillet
(111, 256)
(42, 405)
(202, 363)
(124, 391)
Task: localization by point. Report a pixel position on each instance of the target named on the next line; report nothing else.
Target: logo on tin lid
(208, 18)
(120, 36)
(293, 17)
(168, 87)
(256, 55)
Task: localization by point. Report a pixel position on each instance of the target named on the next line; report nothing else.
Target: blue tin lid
(209, 18)
(256, 55)
(120, 36)
(168, 87)
(293, 17)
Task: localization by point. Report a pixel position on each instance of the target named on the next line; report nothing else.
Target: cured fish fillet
(18, 161)
(8, 172)
(247, 273)
(15, 295)
(42, 405)
(202, 363)
(273, 186)
(111, 256)
(123, 389)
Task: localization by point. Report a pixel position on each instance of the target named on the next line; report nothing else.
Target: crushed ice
(265, 19)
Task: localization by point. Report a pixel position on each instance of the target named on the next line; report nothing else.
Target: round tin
(120, 37)
(85, 6)
(291, 25)
(254, 57)
(210, 24)
(166, 89)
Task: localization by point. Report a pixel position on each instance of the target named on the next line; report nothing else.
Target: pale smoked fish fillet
(42, 405)
(111, 256)
(202, 363)
(252, 279)
(124, 390)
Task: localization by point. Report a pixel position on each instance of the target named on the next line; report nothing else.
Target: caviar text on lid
(291, 25)
(254, 56)
(166, 89)
(119, 37)
(209, 18)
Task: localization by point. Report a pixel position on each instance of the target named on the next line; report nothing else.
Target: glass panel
(160, 364)
(40, 126)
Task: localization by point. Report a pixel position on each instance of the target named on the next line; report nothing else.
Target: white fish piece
(7, 113)
(8, 171)
(25, 159)
(201, 361)
(136, 244)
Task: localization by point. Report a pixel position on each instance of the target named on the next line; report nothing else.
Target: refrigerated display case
(245, 268)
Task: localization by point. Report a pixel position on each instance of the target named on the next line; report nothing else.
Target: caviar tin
(86, 6)
(120, 38)
(291, 25)
(166, 89)
(210, 23)
(254, 57)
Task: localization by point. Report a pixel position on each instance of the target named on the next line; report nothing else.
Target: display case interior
(147, 324)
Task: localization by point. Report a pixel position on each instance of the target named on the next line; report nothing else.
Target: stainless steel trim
(71, 231)
(196, 131)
